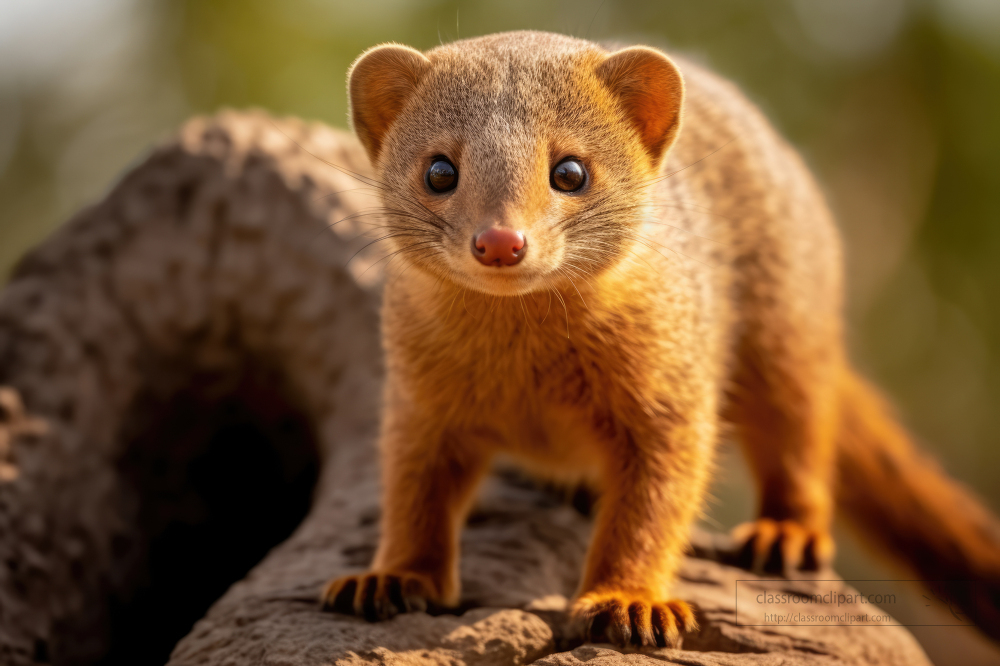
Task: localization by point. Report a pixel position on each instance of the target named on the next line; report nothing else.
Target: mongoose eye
(569, 175)
(442, 175)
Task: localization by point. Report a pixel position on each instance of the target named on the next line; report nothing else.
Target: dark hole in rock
(215, 483)
(41, 655)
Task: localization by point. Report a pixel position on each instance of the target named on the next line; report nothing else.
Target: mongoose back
(606, 256)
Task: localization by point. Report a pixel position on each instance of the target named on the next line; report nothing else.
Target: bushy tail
(904, 502)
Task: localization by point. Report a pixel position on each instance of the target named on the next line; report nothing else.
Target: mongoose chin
(606, 256)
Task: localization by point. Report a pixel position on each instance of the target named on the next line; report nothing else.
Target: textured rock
(180, 359)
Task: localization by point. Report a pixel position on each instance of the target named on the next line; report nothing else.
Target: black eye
(442, 176)
(569, 175)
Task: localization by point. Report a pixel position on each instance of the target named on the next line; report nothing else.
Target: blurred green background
(895, 104)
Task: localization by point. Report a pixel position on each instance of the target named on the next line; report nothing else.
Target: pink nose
(499, 247)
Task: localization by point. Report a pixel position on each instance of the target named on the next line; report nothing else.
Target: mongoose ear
(379, 83)
(651, 91)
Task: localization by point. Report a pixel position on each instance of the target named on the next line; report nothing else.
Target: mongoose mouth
(499, 279)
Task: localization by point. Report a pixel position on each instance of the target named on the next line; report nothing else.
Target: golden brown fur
(680, 288)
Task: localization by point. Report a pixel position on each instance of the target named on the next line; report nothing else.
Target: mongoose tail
(904, 502)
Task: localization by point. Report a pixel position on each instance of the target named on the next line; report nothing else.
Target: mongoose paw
(782, 547)
(379, 595)
(626, 619)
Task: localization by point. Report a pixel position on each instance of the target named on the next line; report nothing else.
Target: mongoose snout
(499, 246)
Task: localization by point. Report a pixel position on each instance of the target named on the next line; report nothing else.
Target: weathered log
(191, 367)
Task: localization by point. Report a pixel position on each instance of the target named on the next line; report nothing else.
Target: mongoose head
(514, 162)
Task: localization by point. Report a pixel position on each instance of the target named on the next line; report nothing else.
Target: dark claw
(344, 602)
(394, 590)
(642, 630)
(774, 564)
(809, 560)
(619, 628)
(368, 608)
(744, 559)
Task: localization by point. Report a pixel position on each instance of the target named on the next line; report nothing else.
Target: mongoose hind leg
(785, 414)
(782, 546)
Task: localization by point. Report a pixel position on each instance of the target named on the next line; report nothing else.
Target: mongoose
(607, 256)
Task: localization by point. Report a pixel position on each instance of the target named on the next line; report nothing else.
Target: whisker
(688, 205)
(607, 213)
(577, 268)
(344, 170)
(406, 267)
(464, 305)
(565, 309)
(526, 322)
(453, 299)
(568, 277)
(677, 251)
(674, 173)
(666, 247)
(377, 240)
(396, 252)
(371, 182)
(353, 189)
(376, 211)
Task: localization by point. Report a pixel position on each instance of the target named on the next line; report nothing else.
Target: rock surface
(181, 358)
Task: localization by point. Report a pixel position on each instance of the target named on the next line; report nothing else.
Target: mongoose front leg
(652, 490)
(428, 481)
